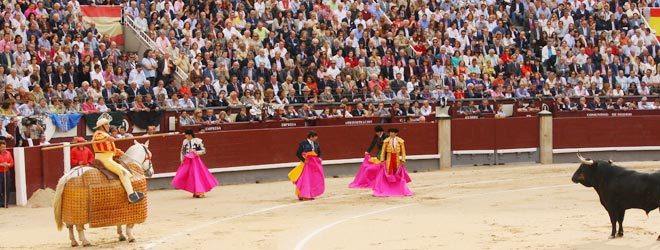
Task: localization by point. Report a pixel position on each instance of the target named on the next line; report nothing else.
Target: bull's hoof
(122, 238)
(75, 244)
(611, 237)
(131, 240)
(87, 245)
(619, 235)
(658, 237)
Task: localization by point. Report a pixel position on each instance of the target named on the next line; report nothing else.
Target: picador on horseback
(105, 150)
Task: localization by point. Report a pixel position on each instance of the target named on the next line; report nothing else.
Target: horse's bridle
(147, 157)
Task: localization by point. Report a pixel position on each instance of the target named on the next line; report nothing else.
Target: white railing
(130, 22)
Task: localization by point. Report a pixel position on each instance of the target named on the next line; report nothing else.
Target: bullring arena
(513, 207)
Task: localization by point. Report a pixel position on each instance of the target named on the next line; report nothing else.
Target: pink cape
(193, 176)
(387, 185)
(367, 174)
(311, 182)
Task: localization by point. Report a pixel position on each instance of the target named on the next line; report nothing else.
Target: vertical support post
(545, 137)
(444, 138)
(19, 178)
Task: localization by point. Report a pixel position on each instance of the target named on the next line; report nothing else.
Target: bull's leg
(613, 221)
(72, 236)
(129, 233)
(120, 233)
(620, 220)
(81, 235)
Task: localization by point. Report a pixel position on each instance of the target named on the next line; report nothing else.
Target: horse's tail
(57, 202)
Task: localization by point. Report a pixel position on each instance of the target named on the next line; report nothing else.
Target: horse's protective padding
(92, 198)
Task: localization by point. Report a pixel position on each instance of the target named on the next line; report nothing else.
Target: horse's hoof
(122, 238)
(131, 241)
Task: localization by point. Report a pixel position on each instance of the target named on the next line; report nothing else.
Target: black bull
(619, 189)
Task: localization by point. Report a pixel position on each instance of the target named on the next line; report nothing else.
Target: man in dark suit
(6, 59)
(234, 86)
(146, 89)
(377, 141)
(309, 145)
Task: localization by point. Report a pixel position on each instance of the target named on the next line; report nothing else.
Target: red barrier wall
(606, 132)
(268, 146)
(33, 169)
(490, 133)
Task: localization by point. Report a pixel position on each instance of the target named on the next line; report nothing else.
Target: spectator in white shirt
(26, 109)
(645, 104)
(97, 74)
(160, 89)
(137, 74)
(70, 92)
(426, 109)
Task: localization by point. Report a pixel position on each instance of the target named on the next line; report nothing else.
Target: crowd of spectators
(250, 53)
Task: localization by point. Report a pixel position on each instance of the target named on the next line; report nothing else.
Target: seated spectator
(56, 107)
(42, 108)
(644, 104)
(114, 132)
(582, 104)
(138, 105)
(71, 106)
(223, 117)
(470, 109)
(327, 96)
(150, 104)
(185, 119)
(325, 114)
(233, 100)
(123, 133)
(500, 112)
(247, 99)
(291, 113)
(186, 102)
(198, 116)
(359, 110)
(26, 109)
(381, 111)
(485, 107)
(209, 117)
(620, 104)
(597, 105)
(89, 106)
(244, 116)
(100, 105)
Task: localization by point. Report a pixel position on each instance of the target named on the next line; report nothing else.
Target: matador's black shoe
(135, 197)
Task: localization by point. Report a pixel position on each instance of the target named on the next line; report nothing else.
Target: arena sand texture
(506, 207)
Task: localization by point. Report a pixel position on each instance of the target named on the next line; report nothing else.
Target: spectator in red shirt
(6, 163)
(81, 155)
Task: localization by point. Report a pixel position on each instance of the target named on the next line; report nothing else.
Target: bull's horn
(584, 161)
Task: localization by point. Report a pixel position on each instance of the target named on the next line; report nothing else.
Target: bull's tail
(57, 202)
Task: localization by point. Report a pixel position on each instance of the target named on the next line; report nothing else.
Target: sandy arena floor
(512, 207)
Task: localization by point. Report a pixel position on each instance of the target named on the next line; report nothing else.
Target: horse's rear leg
(81, 235)
(120, 233)
(72, 237)
(129, 232)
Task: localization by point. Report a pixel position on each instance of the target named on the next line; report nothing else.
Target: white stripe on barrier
(516, 150)
(19, 178)
(67, 158)
(291, 165)
(605, 149)
(473, 152)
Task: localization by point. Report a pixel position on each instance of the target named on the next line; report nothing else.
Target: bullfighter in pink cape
(308, 175)
(366, 176)
(193, 175)
(392, 180)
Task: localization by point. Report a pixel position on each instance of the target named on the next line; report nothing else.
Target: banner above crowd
(107, 20)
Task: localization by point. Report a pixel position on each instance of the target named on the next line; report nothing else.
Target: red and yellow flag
(107, 20)
(654, 21)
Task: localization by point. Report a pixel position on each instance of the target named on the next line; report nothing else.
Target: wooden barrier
(593, 132)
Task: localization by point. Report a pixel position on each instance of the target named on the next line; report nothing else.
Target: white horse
(138, 154)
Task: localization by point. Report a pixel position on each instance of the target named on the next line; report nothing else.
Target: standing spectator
(6, 163)
(81, 155)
